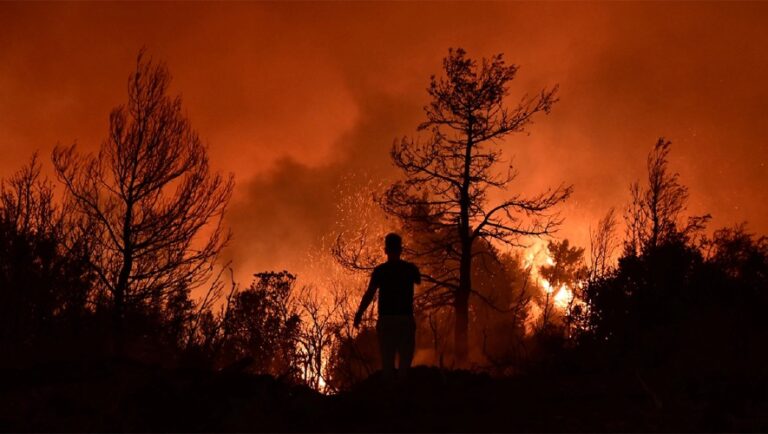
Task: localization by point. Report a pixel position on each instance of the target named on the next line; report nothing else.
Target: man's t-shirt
(395, 280)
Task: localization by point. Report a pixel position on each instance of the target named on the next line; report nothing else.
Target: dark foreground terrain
(131, 397)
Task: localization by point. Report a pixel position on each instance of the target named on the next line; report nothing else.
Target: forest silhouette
(658, 328)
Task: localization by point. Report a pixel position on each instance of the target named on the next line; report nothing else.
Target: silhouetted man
(396, 328)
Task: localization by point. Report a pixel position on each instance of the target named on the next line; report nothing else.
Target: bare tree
(317, 336)
(26, 201)
(148, 197)
(653, 216)
(203, 327)
(602, 245)
(448, 176)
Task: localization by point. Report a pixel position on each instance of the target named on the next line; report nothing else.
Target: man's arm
(366, 301)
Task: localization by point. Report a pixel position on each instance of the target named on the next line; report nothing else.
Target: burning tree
(146, 197)
(445, 194)
(561, 275)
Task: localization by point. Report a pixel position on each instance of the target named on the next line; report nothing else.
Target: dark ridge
(127, 396)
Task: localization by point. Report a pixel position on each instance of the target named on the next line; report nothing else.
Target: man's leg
(406, 345)
(387, 347)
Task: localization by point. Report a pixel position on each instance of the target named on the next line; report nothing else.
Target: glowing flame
(322, 385)
(562, 298)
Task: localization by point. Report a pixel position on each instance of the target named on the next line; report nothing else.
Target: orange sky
(292, 97)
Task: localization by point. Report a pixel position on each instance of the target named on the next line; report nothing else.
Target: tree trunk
(461, 308)
(117, 321)
(121, 288)
(461, 302)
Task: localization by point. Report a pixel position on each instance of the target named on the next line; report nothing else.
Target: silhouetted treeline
(695, 303)
(678, 296)
(44, 289)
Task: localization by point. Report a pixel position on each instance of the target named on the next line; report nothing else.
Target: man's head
(393, 245)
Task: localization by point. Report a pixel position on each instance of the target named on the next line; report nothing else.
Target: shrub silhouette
(262, 326)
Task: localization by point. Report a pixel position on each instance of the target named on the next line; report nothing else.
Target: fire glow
(562, 296)
(561, 299)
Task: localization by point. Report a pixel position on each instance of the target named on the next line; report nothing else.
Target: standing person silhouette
(396, 327)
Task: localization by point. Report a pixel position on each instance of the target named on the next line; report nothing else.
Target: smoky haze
(296, 98)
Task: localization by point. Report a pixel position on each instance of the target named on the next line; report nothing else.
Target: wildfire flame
(562, 297)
